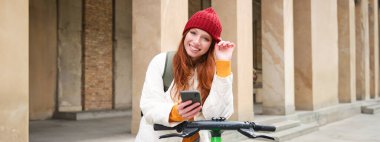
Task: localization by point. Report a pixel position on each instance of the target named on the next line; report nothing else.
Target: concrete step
(285, 134)
(235, 136)
(295, 132)
(280, 126)
(269, 119)
(368, 105)
(371, 109)
(86, 115)
(258, 108)
(285, 129)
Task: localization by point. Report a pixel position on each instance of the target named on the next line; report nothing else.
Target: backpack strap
(167, 77)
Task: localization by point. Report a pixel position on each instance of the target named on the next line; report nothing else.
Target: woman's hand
(188, 111)
(224, 50)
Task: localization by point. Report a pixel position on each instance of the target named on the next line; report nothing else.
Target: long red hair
(183, 68)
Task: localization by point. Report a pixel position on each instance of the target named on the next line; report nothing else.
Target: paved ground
(354, 129)
(360, 128)
(99, 130)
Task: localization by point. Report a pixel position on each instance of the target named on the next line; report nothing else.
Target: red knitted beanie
(206, 20)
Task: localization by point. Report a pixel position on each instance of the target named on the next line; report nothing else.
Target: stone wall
(98, 55)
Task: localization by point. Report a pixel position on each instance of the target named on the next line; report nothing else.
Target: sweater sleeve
(219, 102)
(223, 68)
(154, 103)
(174, 115)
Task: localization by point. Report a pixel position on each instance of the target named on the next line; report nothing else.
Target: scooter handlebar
(264, 128)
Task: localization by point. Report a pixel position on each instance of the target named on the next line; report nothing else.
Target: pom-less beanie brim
(206, 20)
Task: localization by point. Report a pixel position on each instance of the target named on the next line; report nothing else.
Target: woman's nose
(197, 40)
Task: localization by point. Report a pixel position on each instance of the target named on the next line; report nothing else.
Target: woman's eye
(192, 32)
(206, 39)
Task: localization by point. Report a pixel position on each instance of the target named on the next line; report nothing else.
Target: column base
(86, 115)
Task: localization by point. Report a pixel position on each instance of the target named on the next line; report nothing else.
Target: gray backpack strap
(167, 77)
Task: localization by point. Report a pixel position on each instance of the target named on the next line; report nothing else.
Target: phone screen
(192, 95)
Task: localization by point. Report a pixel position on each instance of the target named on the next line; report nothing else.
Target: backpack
(167, 77)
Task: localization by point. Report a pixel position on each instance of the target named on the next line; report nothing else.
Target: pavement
(96, 130)
(361, 127)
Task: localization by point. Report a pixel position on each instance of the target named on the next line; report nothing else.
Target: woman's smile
(197, 42)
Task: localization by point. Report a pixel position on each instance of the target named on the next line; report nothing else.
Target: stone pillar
(123, 54)
(43, 58)
(362, 49)
(374, 52)
(303, 72)
(278, 59)
(157, 27)
(324, 52)
(69, 55)
(239, 31)
(346, 44)
(14, 72)
(316, 53)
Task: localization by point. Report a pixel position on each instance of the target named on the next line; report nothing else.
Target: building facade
(92, 55)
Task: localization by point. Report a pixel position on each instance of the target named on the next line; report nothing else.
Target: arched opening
(80, 67)
(257, 57)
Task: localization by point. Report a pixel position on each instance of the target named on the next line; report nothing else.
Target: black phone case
(194, 96)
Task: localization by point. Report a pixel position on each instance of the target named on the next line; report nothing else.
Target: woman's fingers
(191, 107)
(192, 113)
(186, 110)
(225, 44)
(231, 44)
(183, 105)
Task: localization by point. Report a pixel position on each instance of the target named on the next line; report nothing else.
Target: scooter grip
(264, 128)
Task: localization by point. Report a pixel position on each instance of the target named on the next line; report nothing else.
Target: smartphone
(192, 95)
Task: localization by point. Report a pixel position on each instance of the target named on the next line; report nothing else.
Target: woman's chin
(194, 57)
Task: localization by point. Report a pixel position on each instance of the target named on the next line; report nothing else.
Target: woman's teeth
(194, 49)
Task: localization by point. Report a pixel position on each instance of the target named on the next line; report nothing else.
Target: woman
(203, 63)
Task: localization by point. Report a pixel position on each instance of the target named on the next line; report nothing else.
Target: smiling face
(197, 42)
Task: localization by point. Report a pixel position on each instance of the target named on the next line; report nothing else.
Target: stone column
(303, 72)
(373, 47)
(346, 44)
(278, 59)
(123, 54)
(316, 53)
(362, 49)
(324, 52)
(42, 58)
(69, 55)
(237, 27)
(157, 27)
(14, 72)
(377, 50)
